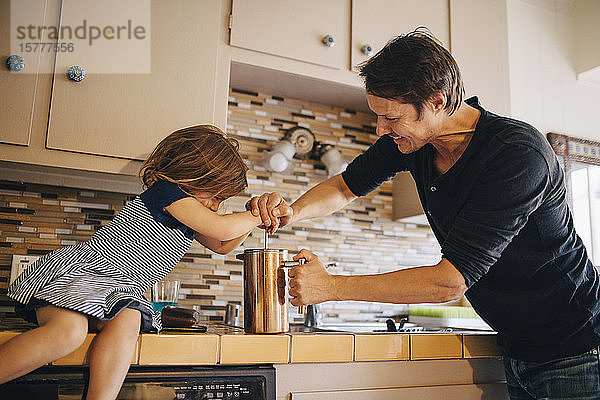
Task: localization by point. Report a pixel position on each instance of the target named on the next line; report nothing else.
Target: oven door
(145, 382)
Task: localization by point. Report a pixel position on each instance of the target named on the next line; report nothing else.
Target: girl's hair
(200, 159)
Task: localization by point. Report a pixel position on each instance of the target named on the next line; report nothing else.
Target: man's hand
(273, 210)
(310, 283)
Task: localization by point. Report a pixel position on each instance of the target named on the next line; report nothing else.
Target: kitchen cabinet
(375, 22)
(126, 103)
(18, 87)
(112, 118)
(312, 31)
(296, 30)
(480, 46)
(120, 114)
(452, 392)
(387, 380)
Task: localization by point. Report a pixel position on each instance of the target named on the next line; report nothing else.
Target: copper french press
(265, 302)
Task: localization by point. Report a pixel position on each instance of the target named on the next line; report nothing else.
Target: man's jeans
(576, 377)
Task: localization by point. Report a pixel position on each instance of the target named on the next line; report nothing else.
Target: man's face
(401, 122)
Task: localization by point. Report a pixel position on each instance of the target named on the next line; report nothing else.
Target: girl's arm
(209, 224)
(220, 246)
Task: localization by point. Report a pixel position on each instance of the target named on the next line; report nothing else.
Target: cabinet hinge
(230, 21)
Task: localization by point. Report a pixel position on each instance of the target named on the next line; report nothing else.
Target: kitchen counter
(227, 346)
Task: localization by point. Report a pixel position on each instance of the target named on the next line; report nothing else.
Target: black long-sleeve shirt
(501, 217)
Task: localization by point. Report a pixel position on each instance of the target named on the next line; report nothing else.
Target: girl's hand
(272, 209)
(310, 283)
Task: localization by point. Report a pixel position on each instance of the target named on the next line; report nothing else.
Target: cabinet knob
(329, 41)
(367, 50)
(15, 63)
(75, 73)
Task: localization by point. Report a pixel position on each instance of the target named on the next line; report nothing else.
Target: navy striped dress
(113, 269)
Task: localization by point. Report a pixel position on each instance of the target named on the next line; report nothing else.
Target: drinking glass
(165, 293)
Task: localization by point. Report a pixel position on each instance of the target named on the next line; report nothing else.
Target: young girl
(99, 284)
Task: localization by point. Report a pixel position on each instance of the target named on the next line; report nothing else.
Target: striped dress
(113, 269)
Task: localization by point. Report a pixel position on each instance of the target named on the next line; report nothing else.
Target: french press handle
(291, 264)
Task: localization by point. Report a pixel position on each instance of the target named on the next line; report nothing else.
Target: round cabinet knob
(15, 63)
(75, 73)
(329, 41)
(367, 50)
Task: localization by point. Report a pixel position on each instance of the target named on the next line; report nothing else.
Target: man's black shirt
(501, 217)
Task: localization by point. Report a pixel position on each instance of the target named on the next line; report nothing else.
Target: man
(494, 194)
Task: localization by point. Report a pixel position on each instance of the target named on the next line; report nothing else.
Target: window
(581, 162)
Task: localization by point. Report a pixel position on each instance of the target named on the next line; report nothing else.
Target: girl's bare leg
(61, 331)
(111, 354)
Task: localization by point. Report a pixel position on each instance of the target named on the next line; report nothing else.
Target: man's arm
(379, 163)
(323, 199)
(310, 284)
(428, 284)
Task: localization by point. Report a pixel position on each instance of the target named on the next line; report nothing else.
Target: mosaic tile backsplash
(361, 238)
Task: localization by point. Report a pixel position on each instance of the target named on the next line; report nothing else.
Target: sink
(300, 328)
(355, 327)
(371, 327)
(345, 327)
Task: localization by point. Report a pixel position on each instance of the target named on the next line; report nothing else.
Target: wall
(543, 60)
(35, 218)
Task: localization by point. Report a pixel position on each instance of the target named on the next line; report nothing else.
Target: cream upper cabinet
(132, 97)
(18, 85)
(375, 22)
(482, 57)
(313, 31)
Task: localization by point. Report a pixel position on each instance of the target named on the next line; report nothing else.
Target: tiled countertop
(220, 347)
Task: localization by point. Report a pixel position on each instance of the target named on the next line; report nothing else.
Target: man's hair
(200, 159)
(411, 68)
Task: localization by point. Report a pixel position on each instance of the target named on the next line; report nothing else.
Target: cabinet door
(128, 102)
(482, 57)
(293, 29)
(18, 88)
(375, 22)
(491, 391)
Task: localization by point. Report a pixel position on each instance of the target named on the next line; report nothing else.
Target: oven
(256, 382)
